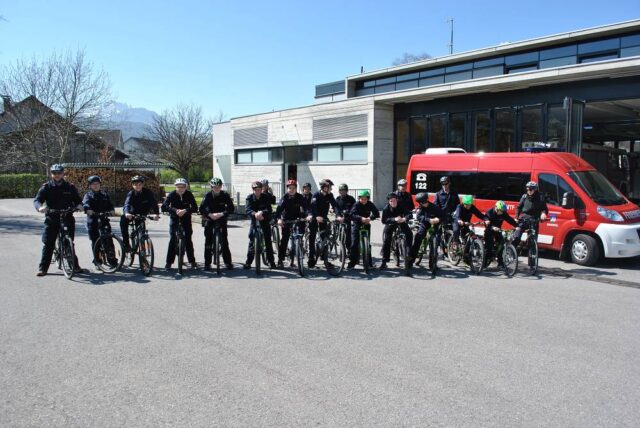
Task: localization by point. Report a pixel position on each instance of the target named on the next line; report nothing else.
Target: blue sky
(249, 57)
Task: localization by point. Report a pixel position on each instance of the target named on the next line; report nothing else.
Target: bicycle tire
(180, 252)
(476, 256)
(401, 249)
(447, 236)
(336, 257)
(275, 240)
(146, 255)
(102, 254)
(366, 254)
(132, 253)
(433, 256)
(217, 248)
(509, 260)
(68, 259)
(257, 248)
(298, 248)
(532, 256)
(453, 251)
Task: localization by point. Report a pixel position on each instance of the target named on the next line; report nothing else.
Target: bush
(168, 176)
(198, 173)
(20, 185)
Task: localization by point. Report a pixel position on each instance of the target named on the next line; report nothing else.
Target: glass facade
(558, 56)
(322, 153)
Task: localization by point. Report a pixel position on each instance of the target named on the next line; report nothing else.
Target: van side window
(506, 186)
(553, 188)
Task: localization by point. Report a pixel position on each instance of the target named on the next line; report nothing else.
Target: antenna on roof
(362, 69)
(450, 44)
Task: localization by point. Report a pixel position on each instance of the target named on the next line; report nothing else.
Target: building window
(457, 130)
(329, 153)
(259, 156)
(559, 62)
(557, 127)
(418, 135)
(243, 156)
(482, 131)
(354, 152)
(437, 131)
(505, 130)
(402, 141)
(531, 125)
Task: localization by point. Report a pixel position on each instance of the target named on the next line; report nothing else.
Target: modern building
(563, 92)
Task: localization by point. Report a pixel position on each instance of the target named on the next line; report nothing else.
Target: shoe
(383, 265)
(229, 266)
(246, 266)
(311, 264)
(280, 264)
(167, 266)
(78, 269)
(207, 268)
(273, 265)
(351, 265)
(41, 273)
(194, 265)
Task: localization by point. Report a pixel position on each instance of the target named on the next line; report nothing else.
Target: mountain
(132, 121)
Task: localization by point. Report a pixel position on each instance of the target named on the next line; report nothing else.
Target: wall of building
(223, 152)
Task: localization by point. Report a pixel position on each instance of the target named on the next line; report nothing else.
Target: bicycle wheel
(146, 255)
(476, 256)
(532, 256)
(107, 255)
(433, 256)
(366, 253)
(401, 249)
(180, 252)
(336, 255)
(68, 259)
(299, 250)
(258, 250)
(509, 260)
(132, 253)
(454, 251)
(447, 236)
(217, 248)
(275, 239)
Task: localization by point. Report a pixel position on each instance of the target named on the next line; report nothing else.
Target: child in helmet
(361, 215)
(493, 220)
(215, 208)
(180, 204)
(394, 215)
(463, 214)
(344, 203)
(96, 202)
(292, 206)
(428, 214)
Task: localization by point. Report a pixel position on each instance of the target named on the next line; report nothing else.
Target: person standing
(215, 208)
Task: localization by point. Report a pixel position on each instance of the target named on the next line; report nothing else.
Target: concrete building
(568, 91)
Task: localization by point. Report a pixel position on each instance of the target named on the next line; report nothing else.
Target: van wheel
(584, 250)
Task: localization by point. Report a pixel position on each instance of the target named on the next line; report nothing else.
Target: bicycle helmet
(264, 182)
(180, 181)
(467, 200)
(325, 182)
(444, 180)
(256, 185)
(343, 186)
(500, 206)
(402, 182)
(391, 195)
(364, 194)
(532, 185)
(306, 186)
(56, 167)
(422, 197)
(292, 183)
(215, 181)
(137, 178)
(94, 179)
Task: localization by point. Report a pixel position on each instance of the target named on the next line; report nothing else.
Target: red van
(588, 216)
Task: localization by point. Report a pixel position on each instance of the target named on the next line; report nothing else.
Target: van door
(553, 187)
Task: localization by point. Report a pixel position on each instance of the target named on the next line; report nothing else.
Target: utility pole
(450, 21)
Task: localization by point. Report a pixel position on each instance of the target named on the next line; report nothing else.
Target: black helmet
(444, 180)
(305, 185)
(422, 197)
(56, 167)
(256, 185)
(391, 195)
(94, 179)
(343, 186)
(137, 178)
(325, 182)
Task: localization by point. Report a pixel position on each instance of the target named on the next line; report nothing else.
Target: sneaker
(229, 266)
(311, 264)
(273, 265)
(78, 269)
(351, 265)
(246, 266)
(41, 273)
(194, 265)
(167, 266)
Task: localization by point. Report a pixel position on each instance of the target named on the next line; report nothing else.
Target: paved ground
(122, 349)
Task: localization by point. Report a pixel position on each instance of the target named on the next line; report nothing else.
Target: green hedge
(20, 185)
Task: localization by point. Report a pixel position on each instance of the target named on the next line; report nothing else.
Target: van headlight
(609, 214)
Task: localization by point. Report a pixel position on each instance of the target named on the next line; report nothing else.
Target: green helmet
(364, 194)
(501, 206)
(467, 200)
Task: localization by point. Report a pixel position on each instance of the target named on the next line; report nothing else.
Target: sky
(248, 57)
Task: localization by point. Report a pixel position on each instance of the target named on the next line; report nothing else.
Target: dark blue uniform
(529, 208)
(495, 220)
(343, 209)
(172, 203)
(211, 204)
(138, 203)
(389, 215)
(358, 212)
(252, 206)
(320, 205)
(404, 200)
(98, 202)
(290, 207)
(447, 202)
(57, 196)
(424, 216)
(461, 213)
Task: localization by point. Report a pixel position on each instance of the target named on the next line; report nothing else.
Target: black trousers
(209, 244)
(523, 224)
(387, 235)
(266, 231)
(354, 253)
(420, 234)
(284, 239)
(188, 232)
(491, 239)
(93, 231)
(314, 226)
(50, 234)
(124, 229)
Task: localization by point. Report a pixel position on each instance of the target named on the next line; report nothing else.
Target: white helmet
(180, 181)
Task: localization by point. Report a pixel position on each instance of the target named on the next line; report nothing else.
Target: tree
(184, 136)
(74, 92)
(406, 58)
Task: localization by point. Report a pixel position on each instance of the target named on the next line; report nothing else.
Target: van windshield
(597, 187)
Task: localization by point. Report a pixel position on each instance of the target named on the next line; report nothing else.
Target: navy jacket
(220, 203)
(174, 202)
(426, 214)
(344, 205)
(98, 202)
(320, 204)
(141, 203)
(360, 211)
(404, 199)
(461, 213)
(389, 214)
(496, 220)
(531, 207)
(253, 205)
(57, 197)
(292, 207)
(447, 202)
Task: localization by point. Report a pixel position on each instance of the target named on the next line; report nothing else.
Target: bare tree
(74, 92)
(220, 117)
(406, 58)
(184, 135)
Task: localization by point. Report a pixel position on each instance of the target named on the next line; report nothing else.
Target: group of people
(312, 209)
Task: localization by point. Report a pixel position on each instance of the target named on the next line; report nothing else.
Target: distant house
(33, 136)
(141, 149)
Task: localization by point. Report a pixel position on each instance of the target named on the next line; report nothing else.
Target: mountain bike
(141, 244)
(216, 243)
(365, 247)
(275, 237)
(108, 250)
(429, 246)
(399, 246)
(180, 242)
(330, 249)
(259, 246)
(296, 243)
(64, 254)
(468, 247)
(530, 245)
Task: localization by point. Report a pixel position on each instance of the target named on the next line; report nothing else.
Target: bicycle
(107, 257)
(428, 245)
(217, 246)
(296, 243)
(399, 246)
(446, 235)
(259, 246)
(508, 251)
(180, 243)
(141, 244)
(330, 249)
(530, 245)
(64, 254)
(365, 247)
(470, 248)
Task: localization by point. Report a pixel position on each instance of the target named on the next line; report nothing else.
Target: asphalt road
(561, 349)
